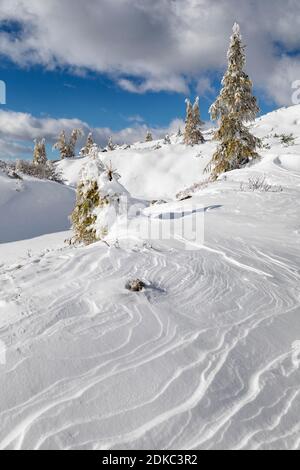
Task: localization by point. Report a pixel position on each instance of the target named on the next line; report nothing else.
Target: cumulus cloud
(205, 87)
(25, 127)
(18, 130)
(135, 118)
(171, 83)
(158, 45)
(287, 70)
(10, 149)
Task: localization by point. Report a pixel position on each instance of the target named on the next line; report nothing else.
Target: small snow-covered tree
(67, 148)
(87, 200)
(88, 145)
(149, 137)
(110, 203)
(94, 151)
(98, 200)
(179, 132)
(39, 152)
(61, 145)
(167, 140)
(197, 137)
(76, 134)
(188, 121)
(193, 123)
(110, 144)
(234, 107)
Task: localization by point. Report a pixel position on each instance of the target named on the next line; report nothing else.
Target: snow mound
(151, 170)
(31, 207)
(281, 121)
(289, 162)
(155, 170)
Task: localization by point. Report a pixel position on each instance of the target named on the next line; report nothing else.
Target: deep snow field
(206, 357)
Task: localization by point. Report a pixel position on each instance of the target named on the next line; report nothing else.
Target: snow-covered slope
(31, 207)
(206, 357)
(149, 172)
(162, 173)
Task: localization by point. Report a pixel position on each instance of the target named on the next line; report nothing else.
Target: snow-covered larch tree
(197, 136)
(67, 149)
(234, 107)
(39, 153)
(76, 134)
(98, 200)
(110, 145)
(88, 145)
(61, 145)
(94, 151)
(111, 201)
(87, 200)
(167, 139)
(193, 123)
(188, 121)
(149, 137)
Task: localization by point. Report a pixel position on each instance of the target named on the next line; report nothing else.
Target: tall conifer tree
(61, 146)
(197, 137)
(39, 153)
(234, 107)
(88, 145)
(65, 148)
(193, 123)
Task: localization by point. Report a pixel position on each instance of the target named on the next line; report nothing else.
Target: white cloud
(135, 118)
(162, 44)
(287, 71)
(18, 130)
(204, 87)
(25, 127)
(10, 149)
(171, 83)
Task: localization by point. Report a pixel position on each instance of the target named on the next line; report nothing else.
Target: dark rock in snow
(135, 286)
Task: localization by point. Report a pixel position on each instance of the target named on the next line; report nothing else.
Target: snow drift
(206, 357)
(151, 170)
(31, 207)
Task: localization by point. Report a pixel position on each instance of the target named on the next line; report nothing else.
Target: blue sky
(96, 99)
(124, 66)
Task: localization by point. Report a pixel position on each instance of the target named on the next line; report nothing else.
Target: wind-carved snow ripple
(184, 366)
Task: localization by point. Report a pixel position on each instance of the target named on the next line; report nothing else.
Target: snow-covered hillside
(161, 173)
(206, 357)
(31, 207)
(150, 172)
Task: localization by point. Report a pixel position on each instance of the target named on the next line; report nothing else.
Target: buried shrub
(46, 171)
(259, 183)
(286, 139)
